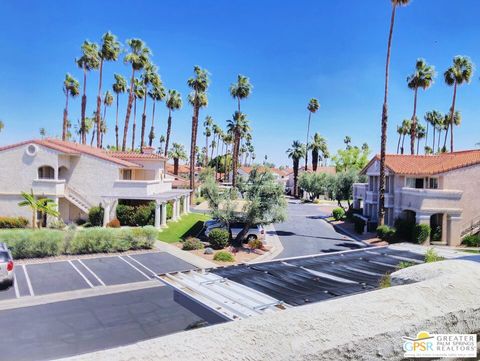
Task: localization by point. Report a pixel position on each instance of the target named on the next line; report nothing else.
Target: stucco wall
(367, 326)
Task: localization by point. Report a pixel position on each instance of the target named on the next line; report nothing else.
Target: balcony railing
(429, 199)
(49, 187)
(138, 188)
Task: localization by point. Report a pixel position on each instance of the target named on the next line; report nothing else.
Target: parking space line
(29, 284)
(81, 274)
(141, 264)
(124, 260)
(15, 286)
(91, 272)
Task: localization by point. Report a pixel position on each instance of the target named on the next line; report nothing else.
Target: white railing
(139, 188)
(77, 198)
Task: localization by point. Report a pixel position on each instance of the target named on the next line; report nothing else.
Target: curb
(184, 256)
(349, 234)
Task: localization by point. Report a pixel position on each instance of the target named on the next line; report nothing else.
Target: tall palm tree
(177, 153)
(149, 76)
(88, 61)
(457, 120)
(228, 139)
(459, 73)
(208, 122)
(173, 102)
(241, 89)
(383, 145)
(216, 132)
(347, 140)
(318, 146)
(137, 58)
(198, 99)
(406, 125)
(421, 78)
(296, 152)
(420, 133)
(120, 86)
(71, 88)
(109, 51)
(238, 127)
(433, 118)
(161, 140)
(312, 107)
(400, 133)
(157, 93)
(138, 93)
(107, 102)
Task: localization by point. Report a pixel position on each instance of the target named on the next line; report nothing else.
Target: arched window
(46, 172)
(62, 172)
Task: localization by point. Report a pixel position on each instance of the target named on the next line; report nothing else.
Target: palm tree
(400, 133)
(149, 76)
(198, 99)
(296, 152)
(88, 61)
(71, 88)
(241, 89)
(216, 132)
(177, 153)
(406, 125)
(41, 205)
(208, 132)
(120, 86)
(138, 93)
(43, 132)
(421, 78)
(138, 58)
(173, 102)
(161, 140)
(383, 145)
(228, 139)
(312, 107)
(318, 148)
(457, 120)
(347, 140)
(460, 72)
(107, 102)
(238, 127)
(420, 133)
(433, 118)
(157, 93)
(109, 51)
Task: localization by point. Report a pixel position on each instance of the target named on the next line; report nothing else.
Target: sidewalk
(183, 255)
(368, 238)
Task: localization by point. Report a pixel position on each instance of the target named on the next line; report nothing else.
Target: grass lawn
(189, 225)
(471, 250)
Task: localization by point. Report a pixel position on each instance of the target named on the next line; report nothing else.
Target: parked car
(6, 266)
(255, 232)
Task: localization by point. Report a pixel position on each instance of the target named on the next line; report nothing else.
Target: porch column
(157, 215)
(179, 208)
(185, 202)
(454, 230)
(164, 215)
(444, 228)
(51, 218)
(188, 203)
(174, 215)
(106, 214)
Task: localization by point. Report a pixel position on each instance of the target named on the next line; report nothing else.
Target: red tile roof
(280, 172)
(428, 164)
(135, 155)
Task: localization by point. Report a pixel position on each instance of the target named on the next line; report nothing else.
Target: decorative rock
(208, 250)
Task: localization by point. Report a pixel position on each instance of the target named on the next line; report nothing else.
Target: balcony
(431, 200)
(138, 188)
(49, 187)
(360, 190)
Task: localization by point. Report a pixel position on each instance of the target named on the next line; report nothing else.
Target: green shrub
(169, 211)
(13, 222)
(359, 225)
(95, 216)
(255, 244)
(145, 215)
(57, 223)
(472, 240)
(26, 243)
(338, 213)
(199, 200)
(126, 215)
(191, 244)
(405, 264)
(385, 281)
(432, 256)
(114, 223)
(421, 233)
(386, 233)
(405, 229)
(223, 256)
(218, 238)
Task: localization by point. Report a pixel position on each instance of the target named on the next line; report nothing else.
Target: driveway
(305, 233)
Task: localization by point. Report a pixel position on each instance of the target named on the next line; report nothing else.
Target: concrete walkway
(183, 255)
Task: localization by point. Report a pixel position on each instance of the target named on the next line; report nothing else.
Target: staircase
(471, 227)
(77, 199)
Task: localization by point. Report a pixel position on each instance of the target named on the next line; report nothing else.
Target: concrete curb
(271, 238)
(347, 233)
(194, 260)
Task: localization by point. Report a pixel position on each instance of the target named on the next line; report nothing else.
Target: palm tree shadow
(289, 234)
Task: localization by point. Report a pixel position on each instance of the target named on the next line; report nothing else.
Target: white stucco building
(440, 190)
(78, 177)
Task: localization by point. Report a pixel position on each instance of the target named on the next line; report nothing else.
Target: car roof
(3, 247)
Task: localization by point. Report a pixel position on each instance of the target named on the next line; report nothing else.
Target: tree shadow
(194, 231)
(289, 234)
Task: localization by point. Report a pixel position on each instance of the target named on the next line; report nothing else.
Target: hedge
(421, 233)
(95, 216)
(143, 215)
(338, 213)
(27, 243)
(386, 233)
(13, 222)
(472, 240)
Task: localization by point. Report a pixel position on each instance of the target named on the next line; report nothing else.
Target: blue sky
(292, 51)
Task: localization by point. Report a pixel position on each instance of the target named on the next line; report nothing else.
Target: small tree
(313, 183)
(42, 205)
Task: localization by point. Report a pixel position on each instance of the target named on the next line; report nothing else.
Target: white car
(255, 232)
(6, 266)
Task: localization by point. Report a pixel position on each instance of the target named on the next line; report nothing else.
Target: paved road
(305, 233)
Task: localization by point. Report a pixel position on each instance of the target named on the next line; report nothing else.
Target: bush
(386, 233)
(385, 281)
(57, 223)
(421, 233)
(338, 213)
(145, 215)
(359, 225)
(169, 210)
(405, 264)
(114, 223)
(13, 222)
(432, 256)
(26, 243)
(95, 216)
(191, 244)
(218, 238)
(255, 244)
(223, 256)
(472, 240)
(126, 215)
(405, 229)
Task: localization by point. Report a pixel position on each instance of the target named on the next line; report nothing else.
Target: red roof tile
(136, 155)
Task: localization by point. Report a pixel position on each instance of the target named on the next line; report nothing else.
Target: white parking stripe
(29, 284)
(141, 264)
(81, 274)
(91, 272)
(15, 286)
(124, 260)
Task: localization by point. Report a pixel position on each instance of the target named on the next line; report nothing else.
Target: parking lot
(76, 274)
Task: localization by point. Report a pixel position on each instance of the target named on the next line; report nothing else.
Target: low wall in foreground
(369, 326)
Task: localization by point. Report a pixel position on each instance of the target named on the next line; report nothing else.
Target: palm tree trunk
(218, 164)
(116, 127)
(134, 130)
(152, 129)
(398, 144)
(413, 128)
(306, 144)
(236, 148)
(383, 146)
(129, 111)
(105, 123)
(211, 151)
(314, 159)
(93, 134)
(175, 166)
(453, 115)
(84, 107)
(193, 143)
(295, 177)
(418, 144)
(99, 103)
(426, 138)
(144, 122)
(34, 218)
(434, 133)
(206, 151)
(65, 119)
(169, 128)
(403, 143)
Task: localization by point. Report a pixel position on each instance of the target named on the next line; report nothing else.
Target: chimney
(148, 150)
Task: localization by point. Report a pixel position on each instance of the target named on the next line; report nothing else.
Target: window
(126, 174)
(46, 172)
(414, 183)
(433, 183)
